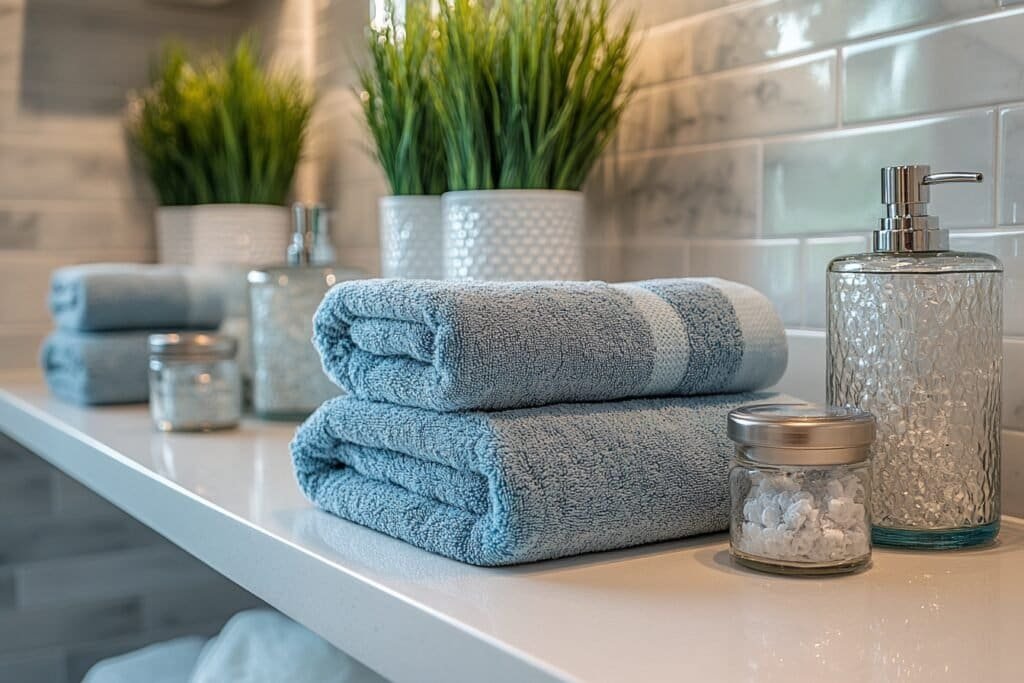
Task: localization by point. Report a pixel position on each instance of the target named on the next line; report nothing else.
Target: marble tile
(354, 216)
(109, 575)
(34, 167)
(107, 45)
(688, 194)
(11, 22)
(636, 129)
(67, 225)
(805, 374)
(215, 599)
(817, 253)
(653, 12)
(1013, 473)
(829, 182)
(365, 259)
(643, 262)
(1013, 384)
(795, 95)
(43, 538)
(6, 589)
(975, 62)
(1008, 246)
(602, 262)
(25, 492)
(1011, 173)
(753, 33)
(770, 266)
(46, 666)
(70, 623)
(601, 204)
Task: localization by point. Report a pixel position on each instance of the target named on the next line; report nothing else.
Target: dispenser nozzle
(907, 227)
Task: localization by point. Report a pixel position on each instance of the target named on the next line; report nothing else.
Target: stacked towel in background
(105, 313)
(459, 437)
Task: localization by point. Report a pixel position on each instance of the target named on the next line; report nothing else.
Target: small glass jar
(288, 379)
(800, 488)
(194, 382)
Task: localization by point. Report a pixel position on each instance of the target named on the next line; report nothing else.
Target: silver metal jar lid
(192, 345)
(802, 434)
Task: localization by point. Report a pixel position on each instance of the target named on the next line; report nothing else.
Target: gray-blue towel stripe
(713, 330)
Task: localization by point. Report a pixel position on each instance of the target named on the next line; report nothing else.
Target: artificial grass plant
(396, 103)
(220, 129)
(528, 92)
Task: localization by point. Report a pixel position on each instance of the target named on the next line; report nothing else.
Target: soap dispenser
(915, 337)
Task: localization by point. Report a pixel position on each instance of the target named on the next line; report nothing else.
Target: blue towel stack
(105, 313)
(498, 423)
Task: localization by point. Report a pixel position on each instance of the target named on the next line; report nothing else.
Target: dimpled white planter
(214, 234)
(411, 237)
(513, 235)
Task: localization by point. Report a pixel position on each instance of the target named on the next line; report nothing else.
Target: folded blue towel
(470, 345)
(522, 485)
(135, 296)
(97, 368)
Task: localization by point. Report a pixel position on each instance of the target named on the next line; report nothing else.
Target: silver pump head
(907, 227)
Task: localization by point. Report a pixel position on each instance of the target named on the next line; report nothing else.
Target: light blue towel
(497, 488)
(467, 346)
(135, 296)
(90, 368)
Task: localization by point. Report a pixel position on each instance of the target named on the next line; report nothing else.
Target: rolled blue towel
(91, 368)
(136, 296)
(470, 345)
(497, 488)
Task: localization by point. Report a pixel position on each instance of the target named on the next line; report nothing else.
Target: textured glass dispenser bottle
(915, 337)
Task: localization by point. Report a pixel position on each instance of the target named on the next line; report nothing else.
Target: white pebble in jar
(800, 488)
(804, 516)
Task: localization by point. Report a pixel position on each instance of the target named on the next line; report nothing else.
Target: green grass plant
(396, 103)
(528, 92)
(220, 129)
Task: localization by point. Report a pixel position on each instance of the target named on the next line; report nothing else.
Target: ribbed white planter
(213, 234)
(411, 237)
(513, 235)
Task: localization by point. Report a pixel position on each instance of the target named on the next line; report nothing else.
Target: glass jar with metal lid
(800, 488)
(194, 382)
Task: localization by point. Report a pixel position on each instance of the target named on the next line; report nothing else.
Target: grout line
(759, 190)
(840, 83)
(997, 182)
(801, 267)
(699, 17)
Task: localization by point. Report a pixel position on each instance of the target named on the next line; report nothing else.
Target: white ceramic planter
(411, 237)
(513, 235)
(214, 234)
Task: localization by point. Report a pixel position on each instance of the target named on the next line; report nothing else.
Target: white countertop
(670, 611)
